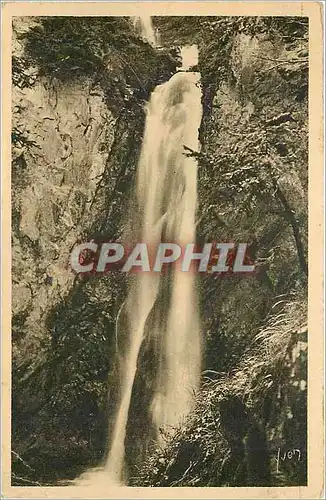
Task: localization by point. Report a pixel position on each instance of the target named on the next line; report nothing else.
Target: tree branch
(290, 216)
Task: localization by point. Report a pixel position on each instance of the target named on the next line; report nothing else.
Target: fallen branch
(21, 460)
(34, 483)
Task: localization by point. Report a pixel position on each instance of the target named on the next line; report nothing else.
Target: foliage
(105, 49)
(22, 73)
(23, 77)
(241, 419)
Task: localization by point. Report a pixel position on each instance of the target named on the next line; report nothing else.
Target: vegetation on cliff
(237, 433)
(106, 49)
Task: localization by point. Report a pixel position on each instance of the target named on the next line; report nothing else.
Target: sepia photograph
(158, 189)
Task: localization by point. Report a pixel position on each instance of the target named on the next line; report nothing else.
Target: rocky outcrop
(73, 159)
(55, 180)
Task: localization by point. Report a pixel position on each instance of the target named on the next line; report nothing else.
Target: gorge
(159, 379)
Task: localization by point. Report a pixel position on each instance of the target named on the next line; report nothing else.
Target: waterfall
(161, 308)
(146, 29)
(166, 198)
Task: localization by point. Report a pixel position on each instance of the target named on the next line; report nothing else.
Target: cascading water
(166, 197)
(147, 30)
(161, 308)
